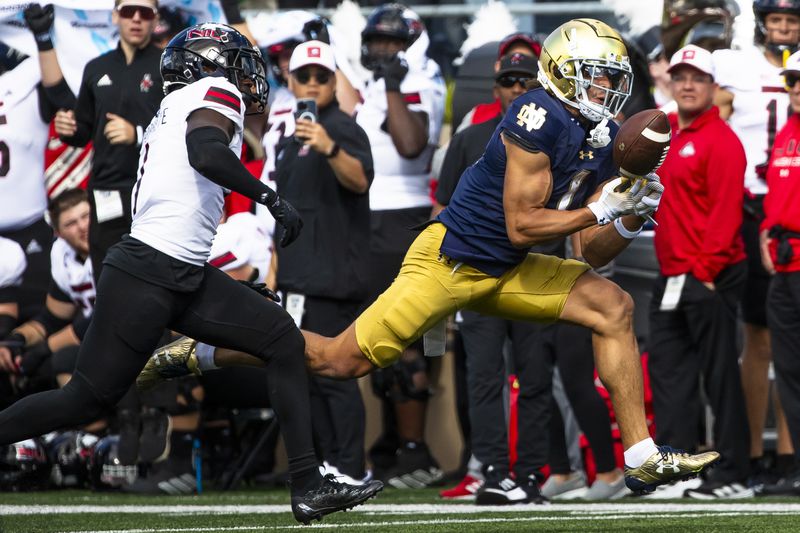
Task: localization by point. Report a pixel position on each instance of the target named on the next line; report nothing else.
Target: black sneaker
(331, 496)
(533, 490)
(165, 477)
(720, 490)
(415, 468)
(786, 486)
(154, 442)
(499, 489)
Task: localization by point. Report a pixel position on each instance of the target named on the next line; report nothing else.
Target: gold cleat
(665, 466)
(171, 361)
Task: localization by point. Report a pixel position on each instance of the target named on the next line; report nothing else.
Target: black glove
(393, 71)
(33, 358)
(40, 21)
(262, 289)
(287, 217)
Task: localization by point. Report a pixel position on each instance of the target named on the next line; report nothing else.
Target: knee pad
(383, 382)
(409, 384)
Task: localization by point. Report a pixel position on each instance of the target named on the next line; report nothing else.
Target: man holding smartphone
(326, 170)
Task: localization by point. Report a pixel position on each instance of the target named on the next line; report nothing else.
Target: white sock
(640, 452)
(205, 357)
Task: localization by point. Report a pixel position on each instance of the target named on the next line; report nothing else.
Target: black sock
(784, 463)
(304, 480)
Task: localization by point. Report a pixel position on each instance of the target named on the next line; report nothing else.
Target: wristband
(624, 232)
(334, 151)
(43, 42)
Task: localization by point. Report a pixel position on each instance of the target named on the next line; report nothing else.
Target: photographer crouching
(325, 171)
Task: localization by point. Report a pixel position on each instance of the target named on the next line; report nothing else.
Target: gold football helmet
(584, 63)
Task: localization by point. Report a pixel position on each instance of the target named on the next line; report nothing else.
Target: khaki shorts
(431, 286)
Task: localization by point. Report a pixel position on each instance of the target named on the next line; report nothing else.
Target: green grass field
(393, 510)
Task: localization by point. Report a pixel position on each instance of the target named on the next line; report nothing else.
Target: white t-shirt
(280, 123)
(242, 240)
(760, 105)
(23, 137)
(176, 210)
(72, 275)
(12, 263)
(401, 183)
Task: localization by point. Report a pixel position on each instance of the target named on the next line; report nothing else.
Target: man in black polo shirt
(120, 92)
(325, 171)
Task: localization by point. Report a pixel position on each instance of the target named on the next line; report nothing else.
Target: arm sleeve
(50, 322)
(51, 99)
(210, 155)
(84, 113)
(452, 168)
(725, 172)
(58, 293)
(80, 325)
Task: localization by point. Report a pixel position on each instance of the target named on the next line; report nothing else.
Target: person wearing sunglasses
(702, 275)
(780, 254)
(325, 170)
(120, 92)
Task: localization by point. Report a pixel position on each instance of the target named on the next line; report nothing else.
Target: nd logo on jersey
(531, 117)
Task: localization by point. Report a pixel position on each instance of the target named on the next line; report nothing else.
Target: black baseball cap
(518, 64)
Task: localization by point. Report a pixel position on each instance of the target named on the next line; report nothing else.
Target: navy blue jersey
(538, 122)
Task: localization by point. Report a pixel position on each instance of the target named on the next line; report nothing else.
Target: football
(642, 143)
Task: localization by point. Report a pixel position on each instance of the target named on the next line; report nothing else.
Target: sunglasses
(304, 76)
(129, 11)
(510, 81)
(791, 79)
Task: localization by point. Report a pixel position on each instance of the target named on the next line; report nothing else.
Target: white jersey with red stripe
(760, 105)
(242, 240)
(23, 136)
(280, 124)
(401, 182)
(73, 275)
(176, 210)
(12, 263)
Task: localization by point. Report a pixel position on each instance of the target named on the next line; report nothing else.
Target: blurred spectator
(703, 269)
(780, 248)
(705, 23)
(12, 266)
(402, 116)
(325, 171)
(484, 336)
(753, 99)
(170, 23)
(113, 113)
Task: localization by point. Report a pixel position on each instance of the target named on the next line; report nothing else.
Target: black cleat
(331, 496)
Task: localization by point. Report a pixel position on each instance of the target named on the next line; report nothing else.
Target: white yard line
(439, 521)
(400, 509)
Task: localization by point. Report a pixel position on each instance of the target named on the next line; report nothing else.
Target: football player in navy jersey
(547, 173)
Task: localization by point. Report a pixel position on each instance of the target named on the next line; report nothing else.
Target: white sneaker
(574, 487)
(600, 490)
(673, 491)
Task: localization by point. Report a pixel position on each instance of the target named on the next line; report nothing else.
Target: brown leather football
(642, 143)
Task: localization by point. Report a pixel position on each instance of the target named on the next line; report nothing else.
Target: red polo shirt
(701, 210)
(782, 202)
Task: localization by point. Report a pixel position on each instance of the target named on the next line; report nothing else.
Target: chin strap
(599, 136)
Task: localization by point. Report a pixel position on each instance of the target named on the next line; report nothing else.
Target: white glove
(615, 201)
(646, 193)
(599, 136)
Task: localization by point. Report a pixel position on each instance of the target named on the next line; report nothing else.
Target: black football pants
(129, 319)
(699, 339)
(783, 315)
(104, 235)
(486, 375)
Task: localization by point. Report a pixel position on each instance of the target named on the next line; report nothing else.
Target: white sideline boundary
(588, 509)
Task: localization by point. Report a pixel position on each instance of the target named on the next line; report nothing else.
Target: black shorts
(36, 241)
(392, 232)
(754, 298)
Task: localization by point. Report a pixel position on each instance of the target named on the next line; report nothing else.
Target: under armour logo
(531, 117)
(668, 466)
(585, 155)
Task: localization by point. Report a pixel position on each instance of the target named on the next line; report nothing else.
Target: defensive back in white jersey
(760, 105)
(175, 209)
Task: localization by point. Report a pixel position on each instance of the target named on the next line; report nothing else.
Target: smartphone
(306, 110)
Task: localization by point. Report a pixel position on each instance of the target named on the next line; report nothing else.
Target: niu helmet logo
(207, 33)
(585, 155)
(673, 467)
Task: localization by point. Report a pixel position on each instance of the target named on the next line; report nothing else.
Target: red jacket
(701, 210)
(782, 202)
